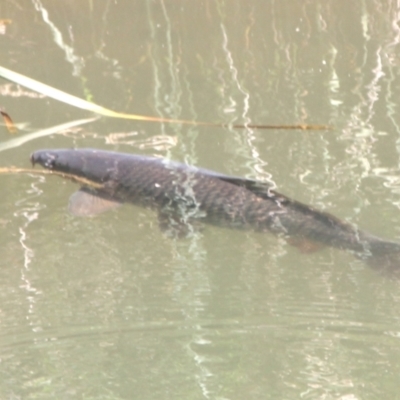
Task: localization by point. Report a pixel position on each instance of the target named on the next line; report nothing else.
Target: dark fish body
(184, 195)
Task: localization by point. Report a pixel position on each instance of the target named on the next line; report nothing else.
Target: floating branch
(86, 105)
(44, 132)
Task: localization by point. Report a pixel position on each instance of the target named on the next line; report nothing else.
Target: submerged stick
(73, 178)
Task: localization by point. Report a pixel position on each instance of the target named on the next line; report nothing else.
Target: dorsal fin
(261, 189)
(265, 191)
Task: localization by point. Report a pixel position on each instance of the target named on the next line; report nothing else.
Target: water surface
(110, 308)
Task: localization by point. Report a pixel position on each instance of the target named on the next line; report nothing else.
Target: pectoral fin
(175, 226)
(85, 203)
(304, 245)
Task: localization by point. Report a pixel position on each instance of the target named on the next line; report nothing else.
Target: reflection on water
(108, 307)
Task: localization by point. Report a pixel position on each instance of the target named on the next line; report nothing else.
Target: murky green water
(110, 308)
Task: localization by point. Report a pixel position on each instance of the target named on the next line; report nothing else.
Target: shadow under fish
(186, 197)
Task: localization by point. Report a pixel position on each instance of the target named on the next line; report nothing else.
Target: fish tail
(383, 256)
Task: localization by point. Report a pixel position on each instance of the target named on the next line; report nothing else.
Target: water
(110, 308)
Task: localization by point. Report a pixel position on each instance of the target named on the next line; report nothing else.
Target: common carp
(185, 196)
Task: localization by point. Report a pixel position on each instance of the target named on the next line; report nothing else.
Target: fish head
(96, 165)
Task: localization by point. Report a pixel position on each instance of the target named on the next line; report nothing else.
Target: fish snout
(44, 158)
